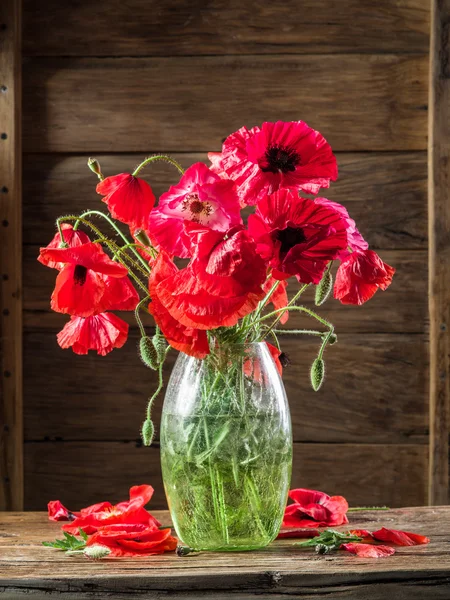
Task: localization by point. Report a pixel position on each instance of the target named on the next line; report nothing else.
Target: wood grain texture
(175, 27)
(11, 439)
(82, 473)
(439, 251)
(401, 309)
(191, 103)
(385, 193)
(277, 572)
(78, 398)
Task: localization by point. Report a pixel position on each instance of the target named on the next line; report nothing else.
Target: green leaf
(329, 540)
(83, 535)
(69, 543)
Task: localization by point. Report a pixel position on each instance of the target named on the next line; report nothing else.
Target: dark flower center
(196, 207)
(80, 275)
(290, 237)
(279, 159)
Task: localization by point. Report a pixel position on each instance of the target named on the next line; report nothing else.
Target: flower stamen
(279, 159)
(196, 207)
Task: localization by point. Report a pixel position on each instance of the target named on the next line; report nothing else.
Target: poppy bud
(96, 552)
(332, 339)
(284, 360)
(142, 237)
(323, 289)
(183, 550)
(317, 374)
(94, 166)
(160, 345)
(147, 352)
(148, 432)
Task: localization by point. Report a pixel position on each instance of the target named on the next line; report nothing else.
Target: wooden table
(29, 570)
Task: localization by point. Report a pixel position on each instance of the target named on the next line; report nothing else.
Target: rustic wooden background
(122, 78)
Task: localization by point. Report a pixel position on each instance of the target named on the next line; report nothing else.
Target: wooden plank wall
(120, 79)
(11, 413)
(439, 252)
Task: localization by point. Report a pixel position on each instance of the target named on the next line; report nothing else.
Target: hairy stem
(163, 157)
(98, 213)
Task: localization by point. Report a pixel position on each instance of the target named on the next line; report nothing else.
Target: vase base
(231, 548)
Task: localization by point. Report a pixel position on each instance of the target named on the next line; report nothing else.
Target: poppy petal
(129, 199)
(102, 333)
(71, 238)
(400, 538)
(368, 550)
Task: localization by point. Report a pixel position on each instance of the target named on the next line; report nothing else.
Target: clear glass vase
(226, 448)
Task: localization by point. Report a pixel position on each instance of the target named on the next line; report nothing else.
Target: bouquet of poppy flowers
(233, 288)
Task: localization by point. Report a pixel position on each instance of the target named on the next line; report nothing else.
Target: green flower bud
(148, 432)
(94, 166)
(324, 288)
(147, 352)
(333, 339)
(142, 237)
(317, 374)
(184, 550)
(96, 552)
(160, 344)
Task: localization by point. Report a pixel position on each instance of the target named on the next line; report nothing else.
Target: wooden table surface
(29, 570)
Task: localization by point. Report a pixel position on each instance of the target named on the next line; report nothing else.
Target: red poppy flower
(71, 237)
(355, 240)
(276, 155)
(185, 339)
(201, 197)
(129, 199)
(360, 275)
(131, 511)
(400, 538)
(85, 285)
(368, 550)
(58, 512)
(279, 297)
(297, 236)
(315, 509)
(133, 540)
(222, 283)
(102, 332)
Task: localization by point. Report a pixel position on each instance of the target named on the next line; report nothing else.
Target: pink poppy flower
(201, 197)
(276, 155)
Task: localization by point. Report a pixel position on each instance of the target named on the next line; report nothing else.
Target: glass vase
(226, 448)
